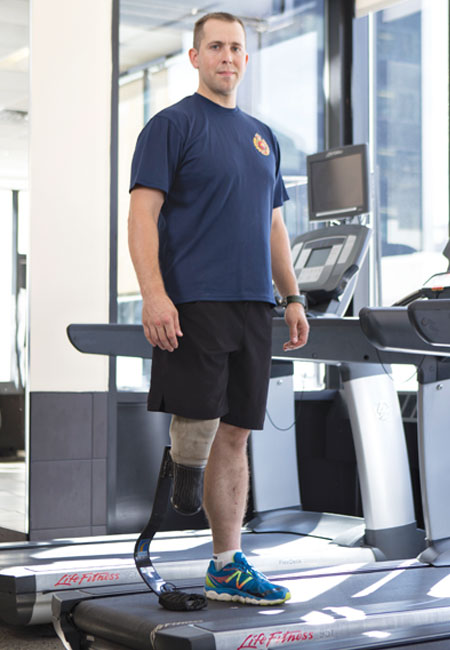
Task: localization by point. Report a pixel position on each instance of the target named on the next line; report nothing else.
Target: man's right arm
(159, 314)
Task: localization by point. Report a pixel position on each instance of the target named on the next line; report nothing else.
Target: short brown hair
(218, 15)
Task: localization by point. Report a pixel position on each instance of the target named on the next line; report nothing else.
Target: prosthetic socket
(191, 442)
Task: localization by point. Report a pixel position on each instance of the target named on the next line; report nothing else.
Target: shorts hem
(223, 417)
(237, 422)
(185, 413)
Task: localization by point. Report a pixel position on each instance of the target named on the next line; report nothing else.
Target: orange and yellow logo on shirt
(261, 144)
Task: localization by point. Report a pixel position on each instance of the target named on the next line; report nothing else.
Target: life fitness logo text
(261, 145)
(71, 579)
(275, 639)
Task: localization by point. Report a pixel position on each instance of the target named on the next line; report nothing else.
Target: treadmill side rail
(183, 637)
(431, 320)
(110, 339)
(16, 607)
(389, 329)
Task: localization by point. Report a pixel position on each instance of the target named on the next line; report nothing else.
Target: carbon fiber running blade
(142, 557)
(169, 596)
(146, 569)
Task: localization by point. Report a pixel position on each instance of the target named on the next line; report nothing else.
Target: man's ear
(193, 57)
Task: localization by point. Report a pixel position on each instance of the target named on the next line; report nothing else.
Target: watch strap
(296, 298)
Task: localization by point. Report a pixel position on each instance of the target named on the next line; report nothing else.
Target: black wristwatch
(296, 298)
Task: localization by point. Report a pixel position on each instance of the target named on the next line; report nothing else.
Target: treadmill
(287, 536)
(395, 603)
(326, 262)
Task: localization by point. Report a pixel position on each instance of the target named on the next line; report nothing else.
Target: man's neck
(227, 101)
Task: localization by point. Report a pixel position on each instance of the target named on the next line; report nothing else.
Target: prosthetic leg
(184, 467)
(169, 596)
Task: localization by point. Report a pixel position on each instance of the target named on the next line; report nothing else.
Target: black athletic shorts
(221, 368)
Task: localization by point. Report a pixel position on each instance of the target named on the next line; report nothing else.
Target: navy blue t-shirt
(220, 171)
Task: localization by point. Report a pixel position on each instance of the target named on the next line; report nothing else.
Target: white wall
(69, 188)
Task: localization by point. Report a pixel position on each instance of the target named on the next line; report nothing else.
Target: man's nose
(227, 54)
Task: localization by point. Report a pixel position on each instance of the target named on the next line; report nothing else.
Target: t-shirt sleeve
(157, 155)
(280, 194)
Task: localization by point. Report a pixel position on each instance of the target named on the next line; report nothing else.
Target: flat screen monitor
(338, 183)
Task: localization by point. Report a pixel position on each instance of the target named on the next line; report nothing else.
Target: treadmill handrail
(431, 320)
(390, 329)
(112, 339)
(332, 339)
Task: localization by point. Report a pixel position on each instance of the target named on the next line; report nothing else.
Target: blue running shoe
(239, 581)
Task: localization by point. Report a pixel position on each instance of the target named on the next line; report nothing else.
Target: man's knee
(191, 440)
(234, 437)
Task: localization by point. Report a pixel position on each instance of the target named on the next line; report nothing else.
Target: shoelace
(250, 569)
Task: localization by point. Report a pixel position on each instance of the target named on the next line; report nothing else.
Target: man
(206, 237)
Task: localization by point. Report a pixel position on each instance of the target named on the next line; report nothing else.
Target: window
(410, 142)
(6, 286)
(406, 46)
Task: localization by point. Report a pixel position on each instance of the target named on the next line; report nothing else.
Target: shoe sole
(246, 600)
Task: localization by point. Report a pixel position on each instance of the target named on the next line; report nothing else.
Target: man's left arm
(286, 282)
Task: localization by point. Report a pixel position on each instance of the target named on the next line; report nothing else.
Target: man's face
(221, 58)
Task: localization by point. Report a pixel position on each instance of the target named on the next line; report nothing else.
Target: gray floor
(37, 637)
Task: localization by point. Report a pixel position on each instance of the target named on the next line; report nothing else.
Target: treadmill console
(326, 263)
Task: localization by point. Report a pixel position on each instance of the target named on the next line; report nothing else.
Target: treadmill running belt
(370, 610)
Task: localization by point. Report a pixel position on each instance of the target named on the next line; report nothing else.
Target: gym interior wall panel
(70, 85)
(62, 494)
(59, 533)
(99, 530)
(61, 426)
(68, 464)
(99, 425)
(98, 492)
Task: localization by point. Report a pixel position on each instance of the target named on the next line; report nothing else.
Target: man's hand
(297, 322)
(161, 322)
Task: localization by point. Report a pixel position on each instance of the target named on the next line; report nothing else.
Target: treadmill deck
(327, 610)
(27, 586)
